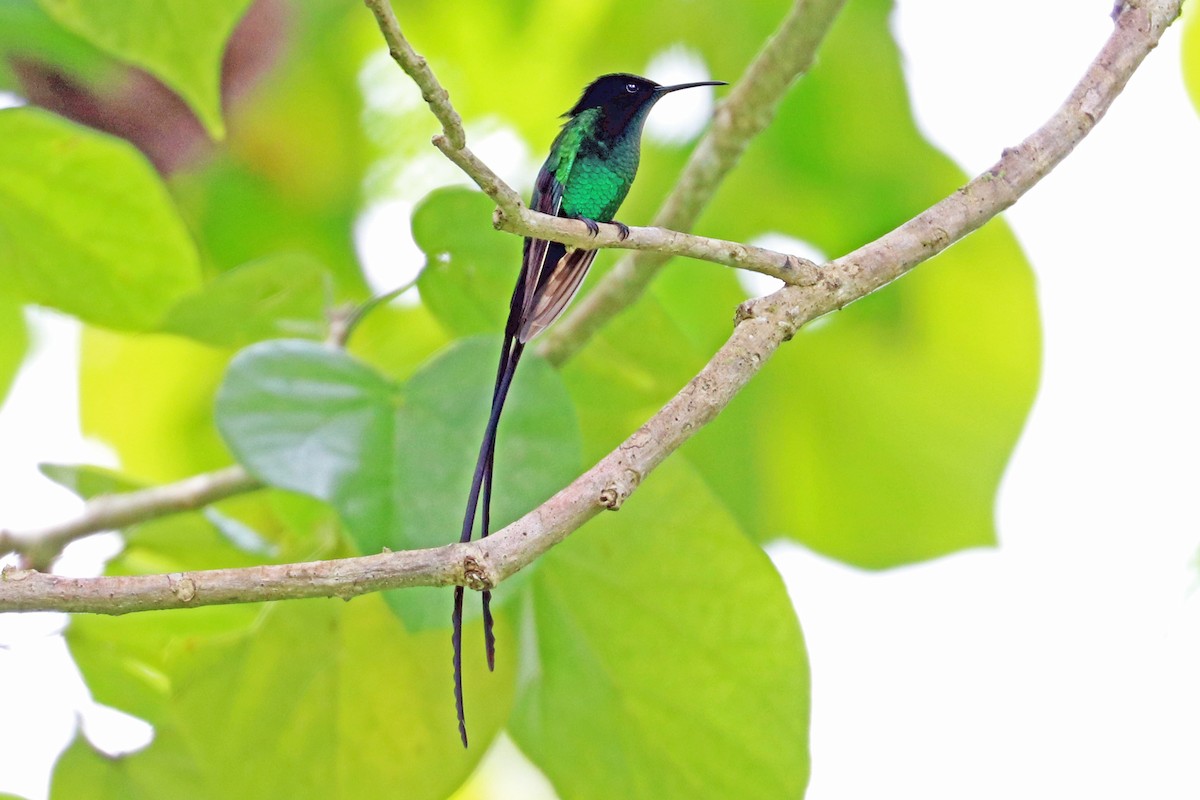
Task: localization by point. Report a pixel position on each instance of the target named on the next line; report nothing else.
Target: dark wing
(550, 272)
(558, 285)
(547, 198)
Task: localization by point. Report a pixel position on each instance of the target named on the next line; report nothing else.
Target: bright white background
(1066, 663)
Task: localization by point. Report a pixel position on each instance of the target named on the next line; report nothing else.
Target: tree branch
(762, 326)
(109, 512)
(38, 548)
(742, 115)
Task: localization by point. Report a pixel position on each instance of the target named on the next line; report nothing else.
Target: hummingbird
(590, 168)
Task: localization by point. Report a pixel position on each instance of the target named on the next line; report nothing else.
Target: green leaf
(170, 381)
(13, 343)
(328, 700)
(879, 435)
(643, 356)
(668, 662)
(900, 413)
(291, 177)
(238, 533)
(126, 661)
(179, 42)
(469, 268)
(89, 481)
(397, 340)
(1191, 51)
(26, 30)
(306, 418)
(86, 226)
(440, 430)
(441, 427)
(280, 296)
(155, 772)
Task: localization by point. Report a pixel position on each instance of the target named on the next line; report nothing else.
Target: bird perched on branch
(590, 168)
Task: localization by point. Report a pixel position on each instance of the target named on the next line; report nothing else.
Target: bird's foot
(592, 226)
(622, 230)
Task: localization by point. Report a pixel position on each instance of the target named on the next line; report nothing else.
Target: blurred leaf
(85, 224)
(179, 543)
(668, 660)
(89, 481)
(279, 296)
(313, 527)
(879, 435)
(27, 31)
(487, 64)
(438, 437)
(179, 42)
(441, 427)
(153, 773)
(895, 421)
(332, 700)
(304, 417)
(397, 340)
(241, 218)
(170, 382)
(13, 344)
(626, 373)
(647, 353)
(124, 660)
(303, 132)
(470, 269)
(1191, 51)
(290, 176)
(184, 530)
(238, 533)
(310, 419)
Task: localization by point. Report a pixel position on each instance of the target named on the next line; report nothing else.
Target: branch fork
(763, 325)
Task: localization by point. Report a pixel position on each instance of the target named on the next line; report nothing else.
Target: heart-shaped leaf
(86, 226)
(396, 462)
(180, 42)
(667, 660)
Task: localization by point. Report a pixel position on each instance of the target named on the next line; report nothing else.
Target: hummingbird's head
(623, 92)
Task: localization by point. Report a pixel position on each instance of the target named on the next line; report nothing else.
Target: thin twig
(38, 548)
(418, 69)
(110, 512)
(786, 267)
(343, 328)
(764, 324)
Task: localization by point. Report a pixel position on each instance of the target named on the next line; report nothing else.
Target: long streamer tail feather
(456, 638)
(485, 523)
(481, 481)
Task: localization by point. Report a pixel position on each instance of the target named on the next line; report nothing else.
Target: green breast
(595, 167)
(596, 187)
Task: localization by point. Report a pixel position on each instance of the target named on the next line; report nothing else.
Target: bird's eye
(631, 88)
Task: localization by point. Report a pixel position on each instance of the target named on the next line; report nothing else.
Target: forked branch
(763, 325)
